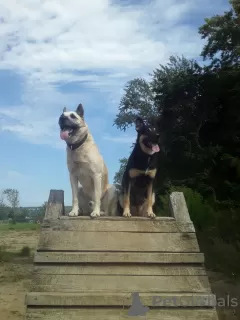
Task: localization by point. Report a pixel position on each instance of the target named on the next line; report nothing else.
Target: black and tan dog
(137, 197)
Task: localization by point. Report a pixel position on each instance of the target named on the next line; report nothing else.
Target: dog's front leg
(75, 206)
(150, 212)
(126, 201)
(97, 192)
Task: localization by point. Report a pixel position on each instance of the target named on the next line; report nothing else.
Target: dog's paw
(73, 213)
(95, 214)
(150, 214)
(127, 213)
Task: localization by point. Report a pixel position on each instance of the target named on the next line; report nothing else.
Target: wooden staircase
(87, 269)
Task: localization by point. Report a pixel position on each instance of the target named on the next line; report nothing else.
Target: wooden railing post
(55, 205)
(179, 210)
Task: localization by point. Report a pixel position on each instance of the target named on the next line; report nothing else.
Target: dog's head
(72, 124)
(148, 137)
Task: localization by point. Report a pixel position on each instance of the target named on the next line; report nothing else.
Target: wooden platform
(87, 269)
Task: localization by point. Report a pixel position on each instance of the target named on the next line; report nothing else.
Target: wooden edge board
(110, 218)
(158, 299)
(120, 225)
(120, 313)
(101, 269)
(117, 257)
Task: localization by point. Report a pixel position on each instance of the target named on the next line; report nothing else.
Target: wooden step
(117, 257)
(88, 269)
(119, 224)
(117, 241)
(119, 314)
(116, 269)
(118, 283)
(113, 299)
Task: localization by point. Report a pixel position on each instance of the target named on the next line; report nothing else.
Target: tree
(12, 196)
(3, 212)
(43, 209)
(222, 33)
(21, 215)
(4, 209)
(118, 175)
(39, 214)
(138, 99)
(196, 109)
(1, 198)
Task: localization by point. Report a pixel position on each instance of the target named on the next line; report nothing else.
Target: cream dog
(86, 165)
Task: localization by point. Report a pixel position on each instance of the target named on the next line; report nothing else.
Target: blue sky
(57, 53)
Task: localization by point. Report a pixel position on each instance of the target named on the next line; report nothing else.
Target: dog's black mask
(66, 124)
(147, 133)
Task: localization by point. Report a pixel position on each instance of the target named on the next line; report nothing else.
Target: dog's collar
(76, 145)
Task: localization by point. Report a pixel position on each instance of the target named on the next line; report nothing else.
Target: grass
(25, 251)
(19, 226)
(8, 256)
(220, 256)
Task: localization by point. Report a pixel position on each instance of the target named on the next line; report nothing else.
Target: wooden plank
(178, 207)
(118, 283)
(100, 269)
(55, 205)
(117, 257)
(119, 225)
(157, 299)
(115, 218)
(119, 314)
(117, 241)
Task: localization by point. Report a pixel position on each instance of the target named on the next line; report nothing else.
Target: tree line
(10, 209)
(195, 107)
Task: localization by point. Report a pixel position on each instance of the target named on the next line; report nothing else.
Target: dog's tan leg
(97, 184)
(74, 185)
(150, 213)
(126, 202)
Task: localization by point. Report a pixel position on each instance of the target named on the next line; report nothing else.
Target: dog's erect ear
(64, 109)
(139, 123)
(80, 110)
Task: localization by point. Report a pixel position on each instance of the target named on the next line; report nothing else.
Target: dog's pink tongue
(155, 148)
(64, 134)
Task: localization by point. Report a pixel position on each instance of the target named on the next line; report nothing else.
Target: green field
(19, 226)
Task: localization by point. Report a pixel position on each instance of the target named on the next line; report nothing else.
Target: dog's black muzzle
(65, 123)
(152, 138)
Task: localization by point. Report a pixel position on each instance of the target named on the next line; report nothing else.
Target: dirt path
(15, 240)
(15, 276)
(14, 283)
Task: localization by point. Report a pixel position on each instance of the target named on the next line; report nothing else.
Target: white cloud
(13, 178)
(98, 46)
(15, 175)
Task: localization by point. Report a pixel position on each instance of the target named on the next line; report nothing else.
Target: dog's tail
(105, 179)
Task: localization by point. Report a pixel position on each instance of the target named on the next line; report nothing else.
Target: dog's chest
(79, 169)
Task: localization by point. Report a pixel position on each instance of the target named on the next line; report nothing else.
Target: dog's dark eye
(73, 116)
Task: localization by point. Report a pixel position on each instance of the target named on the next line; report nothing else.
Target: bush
(25, 251)
(201, 212)
(5, 256)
